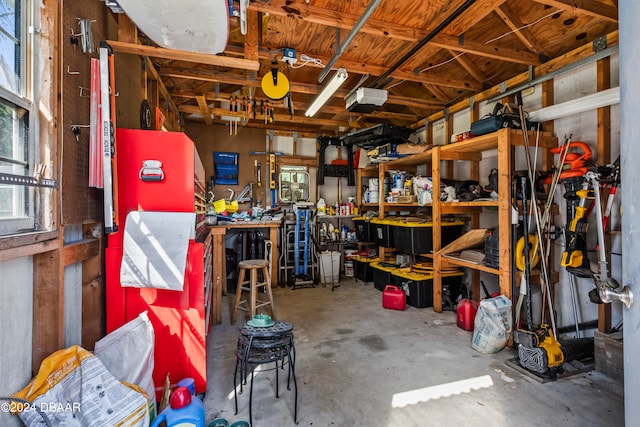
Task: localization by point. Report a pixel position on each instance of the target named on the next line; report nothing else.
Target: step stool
(251, 285)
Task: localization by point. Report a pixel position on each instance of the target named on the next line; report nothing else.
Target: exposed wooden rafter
(466, 63)
(204, 108)
(586, 7)
(179, 55)
(221, 112)
(239, 80)
(390, 30)
(513, 22)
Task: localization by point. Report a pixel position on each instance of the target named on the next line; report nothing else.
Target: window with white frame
(16, 153)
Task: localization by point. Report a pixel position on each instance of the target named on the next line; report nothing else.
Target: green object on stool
(218, 422)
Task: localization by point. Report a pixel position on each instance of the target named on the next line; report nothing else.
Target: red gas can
(466, 314)
(393, 298)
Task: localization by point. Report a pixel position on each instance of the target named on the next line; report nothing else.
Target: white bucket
(371, 196)
(374, 184)
(348, 269)
(348, 253)
(330, 267)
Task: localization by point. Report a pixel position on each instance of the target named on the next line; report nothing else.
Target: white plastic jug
(321, 207)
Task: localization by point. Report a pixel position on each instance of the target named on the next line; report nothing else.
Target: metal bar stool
(252, 285)
(262, 345)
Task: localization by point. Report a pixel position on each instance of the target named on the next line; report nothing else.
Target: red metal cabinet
(178, 317)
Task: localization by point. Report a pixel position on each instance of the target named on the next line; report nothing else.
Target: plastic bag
(74, 389)
(492, 326)
(422, 188)
(127, 353)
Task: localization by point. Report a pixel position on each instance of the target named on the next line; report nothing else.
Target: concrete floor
(361, 365)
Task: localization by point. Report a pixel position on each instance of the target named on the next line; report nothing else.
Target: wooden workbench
(220, 262)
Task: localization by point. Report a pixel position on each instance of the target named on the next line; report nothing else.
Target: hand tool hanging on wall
(254, 106)
(265, 111)
(109, 152)
(609, 174)
(606, 286)
(524, 188)
(259, 171)
(272, 178)
(574, 256)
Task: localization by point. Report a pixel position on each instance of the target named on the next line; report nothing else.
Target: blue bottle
(185, 410)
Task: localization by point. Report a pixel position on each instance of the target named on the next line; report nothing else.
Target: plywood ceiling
(488, 43)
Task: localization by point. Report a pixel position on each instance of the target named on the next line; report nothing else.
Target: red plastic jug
(393, 298)
(466, 313)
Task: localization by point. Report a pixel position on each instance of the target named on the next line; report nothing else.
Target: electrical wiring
(523, 27)
(442, 63)
(306, 60)
(494, 39)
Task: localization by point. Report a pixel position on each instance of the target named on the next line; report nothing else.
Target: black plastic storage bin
(363, 229)
(381, 275)
(419, 286)
(416, 237)
(362, 268)
(382, 232)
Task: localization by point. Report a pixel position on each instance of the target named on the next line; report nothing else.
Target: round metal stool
(263, 345)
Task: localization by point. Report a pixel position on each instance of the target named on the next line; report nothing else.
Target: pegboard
(210, 138)
(80, 203)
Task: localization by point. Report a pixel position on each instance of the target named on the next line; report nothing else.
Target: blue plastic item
(189, 383)
(190, 415)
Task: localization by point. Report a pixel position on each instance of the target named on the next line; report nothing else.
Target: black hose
(30, 404)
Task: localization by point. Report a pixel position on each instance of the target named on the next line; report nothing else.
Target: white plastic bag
(492, 326)
(127, 353)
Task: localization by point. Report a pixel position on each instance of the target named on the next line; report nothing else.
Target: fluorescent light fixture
(591, 102)
(328, 91)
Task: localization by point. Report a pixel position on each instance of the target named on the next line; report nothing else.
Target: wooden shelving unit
(471, 151)
(505, 141)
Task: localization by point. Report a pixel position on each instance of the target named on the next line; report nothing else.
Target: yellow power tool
(574, 255)
(539, 351)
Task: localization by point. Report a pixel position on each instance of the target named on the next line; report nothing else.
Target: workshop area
(235, 213)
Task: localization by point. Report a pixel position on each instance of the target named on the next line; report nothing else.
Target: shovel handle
(484, 288)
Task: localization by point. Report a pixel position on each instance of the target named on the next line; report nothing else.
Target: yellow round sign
(275, 85)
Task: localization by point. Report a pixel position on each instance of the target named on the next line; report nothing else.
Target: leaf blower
(539, 351)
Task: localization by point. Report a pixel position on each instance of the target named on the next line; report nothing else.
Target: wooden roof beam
(486, 50)
(585, 7)
(284, 118)
(251, 38)
(351, 67)
(179, 55)
(327, 108)
(437, 92)
(511, 19)
(331, 18)
(295, 87)
(151, 69)
(546, 68)
(204, 108)
(468, 65)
